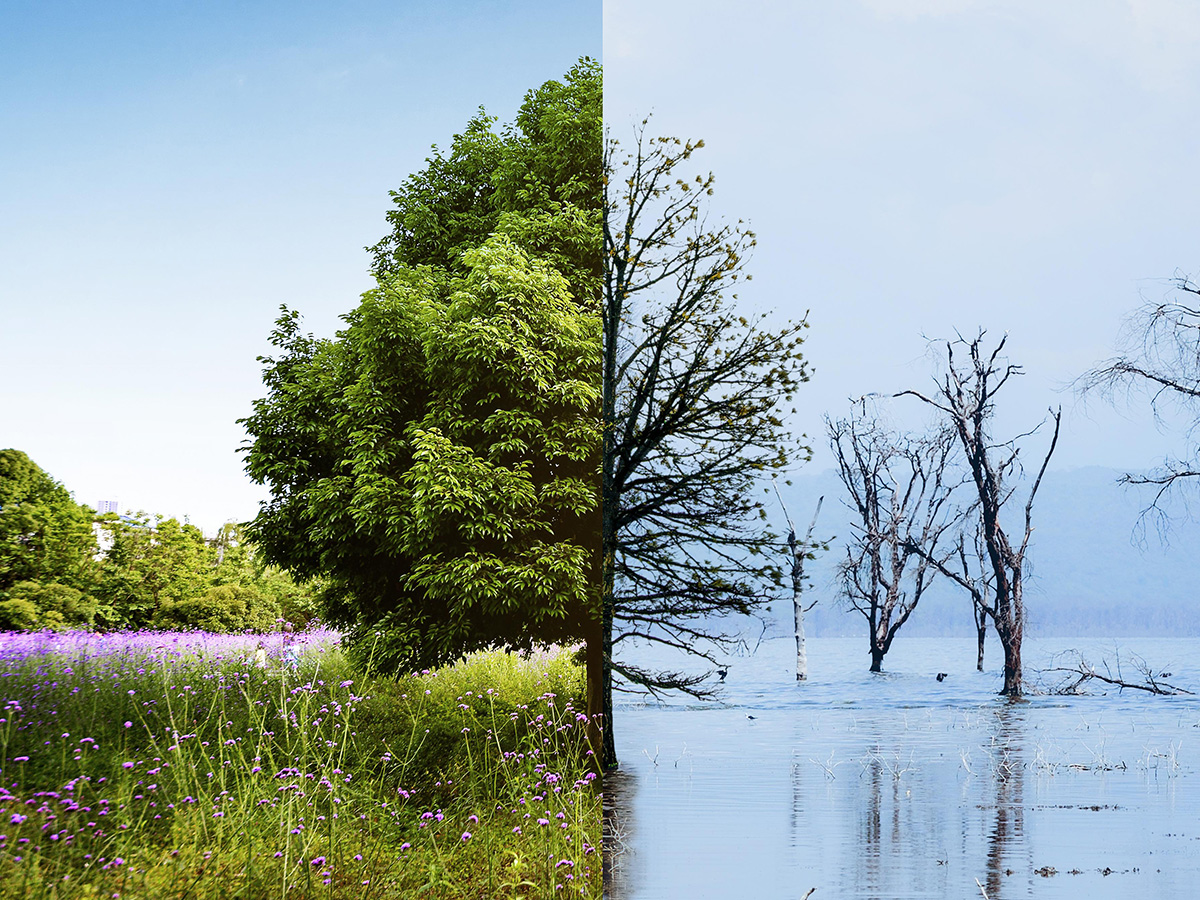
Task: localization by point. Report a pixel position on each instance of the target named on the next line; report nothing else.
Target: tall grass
(170, 766)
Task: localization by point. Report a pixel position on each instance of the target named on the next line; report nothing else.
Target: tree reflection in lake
(1006, 841)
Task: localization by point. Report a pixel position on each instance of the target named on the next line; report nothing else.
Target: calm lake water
(897, 786)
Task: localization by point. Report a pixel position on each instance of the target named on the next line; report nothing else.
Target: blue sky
(912, 167)
(172, 172)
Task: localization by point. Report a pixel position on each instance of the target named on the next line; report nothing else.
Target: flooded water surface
(899, 786)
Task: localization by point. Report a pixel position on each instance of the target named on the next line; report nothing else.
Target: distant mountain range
(1092, 570)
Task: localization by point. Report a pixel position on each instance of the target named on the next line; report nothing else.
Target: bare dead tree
(1159, 360)
(965, 396)
(798, 553)
(901, 498)
(693, 407)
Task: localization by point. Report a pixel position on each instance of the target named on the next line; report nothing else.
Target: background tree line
(64, 566)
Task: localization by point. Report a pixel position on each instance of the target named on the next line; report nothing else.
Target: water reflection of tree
(618, 794)
(1006, 839)
(891, 832)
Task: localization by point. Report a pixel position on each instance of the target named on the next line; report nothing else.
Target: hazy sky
(913, 167)
(171, 172)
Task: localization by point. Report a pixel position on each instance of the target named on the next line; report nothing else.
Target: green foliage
(222, 609)
(145, 570)
(437, 461)
(55, 605)
(18, 615)
(150, 562)
(160, 573)
(540, 182)
(44, 534)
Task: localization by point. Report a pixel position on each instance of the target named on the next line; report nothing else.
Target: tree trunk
(608, 759)
(981, 628)
(801, 651)
(877, 655)
(594, 667)
(1012, 668)
(1010, 629)
(797, 554)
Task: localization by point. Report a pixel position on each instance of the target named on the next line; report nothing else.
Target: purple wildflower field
(161, 764)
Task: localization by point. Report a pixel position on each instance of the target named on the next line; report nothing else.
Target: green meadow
(184, 765)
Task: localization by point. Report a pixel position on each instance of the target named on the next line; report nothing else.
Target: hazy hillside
(1091, 571)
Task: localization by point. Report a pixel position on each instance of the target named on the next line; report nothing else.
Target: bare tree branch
(1080, 672)
(1159, 362)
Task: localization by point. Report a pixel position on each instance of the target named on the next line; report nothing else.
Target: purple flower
(466, 836)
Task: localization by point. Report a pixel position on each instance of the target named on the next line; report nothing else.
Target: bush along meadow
(188, 765)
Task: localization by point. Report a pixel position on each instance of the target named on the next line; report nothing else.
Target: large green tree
(437, 460)
(45, 536)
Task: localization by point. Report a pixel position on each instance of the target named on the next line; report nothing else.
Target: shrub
(17, 615)
(223, 609)
(56, 605)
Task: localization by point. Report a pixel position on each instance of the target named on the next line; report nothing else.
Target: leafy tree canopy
(437, 459)
(540, 181)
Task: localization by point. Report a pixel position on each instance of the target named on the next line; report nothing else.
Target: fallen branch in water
(1082, 671)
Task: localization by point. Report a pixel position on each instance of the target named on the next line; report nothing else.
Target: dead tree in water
(694, 398)
(966, 397)
(897, 488)
(798, 553)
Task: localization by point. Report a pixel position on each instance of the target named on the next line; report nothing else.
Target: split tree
(694, 396)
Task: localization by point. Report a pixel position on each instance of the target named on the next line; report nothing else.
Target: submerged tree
(965, 396)
(900, 493)
(799, 552)
(1160, 359)
(692, 395)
